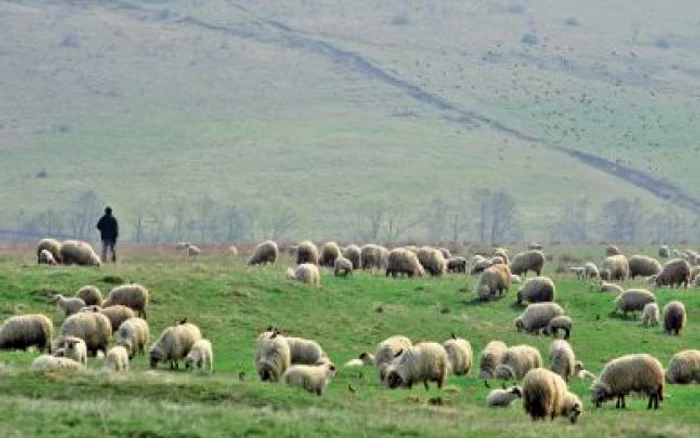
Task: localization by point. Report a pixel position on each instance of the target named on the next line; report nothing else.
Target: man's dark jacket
(109, 228)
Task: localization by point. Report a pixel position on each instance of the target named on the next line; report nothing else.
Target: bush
(530, 39)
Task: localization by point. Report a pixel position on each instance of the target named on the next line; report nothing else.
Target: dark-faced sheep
(684, 367)
(675, 273)
(307, 252)
(266, 252)
(532, 260)
(387, 350)
(638, 373)
(51, 245)
(373, 256)
(432, 260)
(93, 328)
(536, 290)
(403, 262)
(664, 252)
(457, 264)
(424, 362)
(674, 318)
(545, 395)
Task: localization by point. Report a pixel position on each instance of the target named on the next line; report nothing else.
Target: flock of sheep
(92, 322)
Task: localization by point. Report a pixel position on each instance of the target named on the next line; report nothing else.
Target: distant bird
(486, 383)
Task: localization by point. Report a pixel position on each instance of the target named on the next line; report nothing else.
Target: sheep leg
(425, 382)
(622, 397)
(568, 332)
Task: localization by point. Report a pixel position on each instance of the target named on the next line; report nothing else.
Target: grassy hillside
(232, 303)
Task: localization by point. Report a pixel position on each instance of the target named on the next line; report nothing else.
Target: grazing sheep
(644, 266)
(424, 362)
(536, 290)
(578, 271)
(53, 246)
(174, 344)
(664, 252)
(537, 316)
(497, 260)
(502, 398)
(591, 270)
(363, 360)
(74, 252)
(92, 327)
(562, 359)
(132, 295)
(373, 256)
(684, 367)
(639, 373)
(306, 273)
(272, 357)
(47, 364)
(193, 250)
(387, 350)
(545, 395)
(532, 260)
(517, 361)
(307, 252)
(179, 246)
(610, 287)
(490, 357)
(612, 250)
(304, 351)
(557, 323)
(312, 378)
(329, 252)
(459, 355)
(117, 314)
(479, 264)
(342, 267)
(675, 273)
(46, 258)
(201, 355)
(117, 359)
(633, 300)
(650, 314)
(446, 254)
(266, 252)
(69, 306)
(353, 253)
(616, 268)
(495, 280)
(24, 331)
(502, 253)
(582, 373)
(72, 348)
(134, 334)
(432, 260)
(674, 318)
(457, 264)
(91, 295)
(402, 261)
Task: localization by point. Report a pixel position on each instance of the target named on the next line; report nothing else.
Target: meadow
(233, 303)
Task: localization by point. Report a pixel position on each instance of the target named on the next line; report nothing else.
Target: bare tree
(139, 224)
(206, 219)
(621, 219)
(84, 213)
(497, 215)
(436, 220)
(235, 223)
(368, 220)
(571, 226)
(398, 221)
(179, 216)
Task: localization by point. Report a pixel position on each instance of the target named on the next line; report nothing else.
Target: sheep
(536, 290)
(329, 252)
(496, 260)
(675, 272)
(117, 314)
(494, 280)
(266, 252)
(69, 306)
(74, 252)
(633, 300)
(53, 246)
(24, 331)
(193, 250)
(644, 266)
(304, 351)
(312, 378)
(531, 260)
(201, 355)
(306, 273)
(92, 327)
(132, 295)
(612, 250)
(490, 357)
(353, 253)
(537, 316)
(47, 363)
(446, 254)
(684, 367)
(91, 295)
(412, 248)
(174, 344)
(515, 279)
(457, 264)
(578, 271)
(664, 252)
(502, 398)
(694, 271)
(478, 264)
(117, 359)
(562, 359)
(591, 270)
(640, 373)
(272, 357)
(72, 348)
(610, 287)
(179, 246)
(459, 355)
(232, 251)
(387, 350)
(545, 395)
(363, 359)
(582, 373)
(307, 252)
(517, 361)
(342, 267)
(616, 268)
(502, 253)
(373, 256)
(134, 334)
(674, 318)
(650, 314)
(557, 323)
(402, 261)
(423, 362)
(46, 258)
(534, 245)
(432, 260)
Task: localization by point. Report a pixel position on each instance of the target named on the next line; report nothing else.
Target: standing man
(109, 231)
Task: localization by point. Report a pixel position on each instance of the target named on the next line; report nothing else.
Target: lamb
(610, 287)
(684, 367)
(132, 295)
(423, 362)
(675, 273)
(353, 253)
(644, 266)
(306, 273)
(490, 357)
(201, 355)
(24, 331)
(174, 344)
(640, 373)
(51, 245)
(47, 363)
(232, 251)
(537, 316)
(591, 270)
(312, 378)
(664, 252)
(117, 314)
(266, 252)
(387, 350)
(373, 256)
(650, 314)
(531, 260)
(72, 348)
(304, 351)
(612, 250)
(74, 252)
(517, 361)
(93, 328)
(495, 280)
(91, 295)
(342, 267)
(545, 395)
(69, 306)
(329, 252)
(562, 359)
(363, 360)
(502, 398)
(307, 252)
(402, 261)
(117, 359)
(272, 357)
(536, 290)
(674, 318)
(633, 300)
(459, 355)
(457, 264)
(46, 258)
(616, 268)
(432, 260)
(557, 323)
(134, 334)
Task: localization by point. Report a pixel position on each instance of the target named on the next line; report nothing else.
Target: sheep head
(601, 392)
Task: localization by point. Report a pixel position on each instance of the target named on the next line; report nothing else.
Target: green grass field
(233, 303)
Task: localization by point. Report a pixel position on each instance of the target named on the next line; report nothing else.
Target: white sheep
(490, 357)
(364, 359)
(502, 398)
(24, 331)
(69, 306)
(72, 348)
(313, 378)
(536, 316)
(117, 359)
(46, 258)
(545, 395)
(272, 357)
(174, 344)
(134, 334)
(638, 373)
(387, 351)
(684, 367)
(423, 362)
(517, 361)
(562, 359)
(459, 353)
(47, 363)
(201, 355)
(650, 314)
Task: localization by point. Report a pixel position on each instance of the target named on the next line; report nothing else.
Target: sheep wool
(531, 260)
(354, 254)
(307, 252)
(48, 364)
(53, 246)
(423, 362)
(557, 323)
(457, 264)
(644, 266)
(684, 367)
(459, 354)
(304, 351)
(266, 252)
(329, 252)
(132, 295)
(91, 295)
(545, 395)
(403, 262)
(134, 334)
(72, 348)
(490, 357)
(633, 300)
(92, 327)
(617, 267)
(74, 252)
(536, 290)
(117, 359)
(312, 378)
(342, 267)
(373, 256)
(610, 287)
(432, 260)
(639, 373)
(612, 250)
(117, 314)
(502, 398)
(562, 359)
(675, 273)
(69, 306)
(675, 317)
(201, 355)
(494, 280)
(46, 258)
(306, 273)
(650, 314)
(536, 316)
(272, 357)
(24, 331)
(365, 359)
(517, 361)
(387, 350)
(174, 344)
